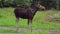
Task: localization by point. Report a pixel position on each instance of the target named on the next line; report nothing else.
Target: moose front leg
(30, 24)
(17, 20)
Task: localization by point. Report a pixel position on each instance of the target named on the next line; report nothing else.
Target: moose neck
(35, 9)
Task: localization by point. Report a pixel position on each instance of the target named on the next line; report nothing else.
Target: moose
(27, 13)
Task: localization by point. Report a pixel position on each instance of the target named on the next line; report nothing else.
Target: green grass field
(7, 18)
(13, 32)
(6, 31)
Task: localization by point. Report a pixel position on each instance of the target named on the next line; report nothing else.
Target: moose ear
(38, 3)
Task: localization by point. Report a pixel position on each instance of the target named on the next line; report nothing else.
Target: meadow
(7, 19)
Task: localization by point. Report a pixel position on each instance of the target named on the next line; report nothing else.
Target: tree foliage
(26, 3)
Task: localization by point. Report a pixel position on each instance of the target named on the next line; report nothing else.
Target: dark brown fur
(27, 13)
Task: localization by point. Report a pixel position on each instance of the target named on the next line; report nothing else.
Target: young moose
(27, 13)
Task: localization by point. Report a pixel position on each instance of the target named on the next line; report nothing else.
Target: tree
(1, 3)
(22, 3)
(56, 3)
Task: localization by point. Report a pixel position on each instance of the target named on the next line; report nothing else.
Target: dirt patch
(50, 31)
(50, 19)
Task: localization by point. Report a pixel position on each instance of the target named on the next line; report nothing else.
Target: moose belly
(26, 16)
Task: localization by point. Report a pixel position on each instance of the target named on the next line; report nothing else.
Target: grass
(38, 33)
(5, 31)
(14, 32)
(56, 16)
(7, 18)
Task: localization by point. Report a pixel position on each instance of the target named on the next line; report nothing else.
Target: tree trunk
(57, 4)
